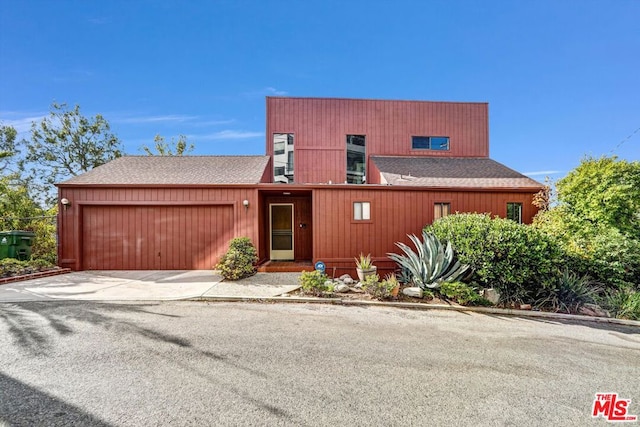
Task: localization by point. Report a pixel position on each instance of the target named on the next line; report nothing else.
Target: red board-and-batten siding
(217, 212)
(394, 214)
(320, 127)
(152, 227)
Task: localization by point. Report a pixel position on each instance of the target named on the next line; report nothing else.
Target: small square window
(361, 211)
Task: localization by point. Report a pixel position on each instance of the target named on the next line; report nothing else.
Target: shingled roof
(450, 172)
(176, 170)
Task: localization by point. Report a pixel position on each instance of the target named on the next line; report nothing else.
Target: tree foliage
(7, 144)
(19, 211)
(597, 219)
(66, 144)
(604, 191)
(172, 148)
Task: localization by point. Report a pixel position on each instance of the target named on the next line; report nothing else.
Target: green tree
(596, 218)
(66, 144)
(604, 191)
(7, 144)
(173, 148)
(15, 203)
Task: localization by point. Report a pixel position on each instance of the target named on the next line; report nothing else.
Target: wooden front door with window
(281, 222)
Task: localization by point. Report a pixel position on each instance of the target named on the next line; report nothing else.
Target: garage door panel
(155, 237)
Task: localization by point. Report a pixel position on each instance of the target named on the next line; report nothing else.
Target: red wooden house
(340, 177)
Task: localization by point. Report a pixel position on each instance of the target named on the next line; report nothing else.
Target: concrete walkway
(205, 284)
(146, 286)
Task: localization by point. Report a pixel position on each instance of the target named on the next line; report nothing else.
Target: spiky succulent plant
(431, 264)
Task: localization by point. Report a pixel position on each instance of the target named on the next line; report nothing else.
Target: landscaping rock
(491, 294)
(358, 285)
(347, 280)
(341, 288)
(328, 283)
(412, 292)
(593, 310)
(525, 306)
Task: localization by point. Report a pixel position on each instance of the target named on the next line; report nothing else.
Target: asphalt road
(191, 363)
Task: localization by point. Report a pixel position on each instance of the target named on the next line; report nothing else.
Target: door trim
(279, 254)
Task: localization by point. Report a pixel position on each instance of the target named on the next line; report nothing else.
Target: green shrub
(428, 294)
(238, 262)
(314, 283)
(12, 267)
(623, 304)
(379, 289)
(568, 292)
(45, 243)
(599, 251)
(462, 293)
(431, 264)
(512, 258)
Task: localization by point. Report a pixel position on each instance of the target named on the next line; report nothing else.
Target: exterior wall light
(245, 203)
(66, 203)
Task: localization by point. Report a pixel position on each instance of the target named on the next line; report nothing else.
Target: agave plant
(432, 264)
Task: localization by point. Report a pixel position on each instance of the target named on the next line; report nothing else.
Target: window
(441, 210)
(283, 158)
(361, 211)
(430, 143)
(514, 212)
(356, 159)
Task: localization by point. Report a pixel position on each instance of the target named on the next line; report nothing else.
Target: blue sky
(562, 77)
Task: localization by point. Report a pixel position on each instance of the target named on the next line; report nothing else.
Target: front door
(281, 221)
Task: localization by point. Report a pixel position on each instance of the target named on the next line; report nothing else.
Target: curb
(420, 306)
(37, 275)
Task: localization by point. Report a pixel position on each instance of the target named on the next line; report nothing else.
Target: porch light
(245, 203)
(65, 202)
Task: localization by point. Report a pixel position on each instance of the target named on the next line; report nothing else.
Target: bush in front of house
(14, 267)
(568, 292)
(314, 283)
(514, 259)
(238, 262)
(378, 289)
(462, 293)
(623, 303)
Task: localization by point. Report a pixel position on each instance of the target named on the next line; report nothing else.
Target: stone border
(38, 275)
(421, 306)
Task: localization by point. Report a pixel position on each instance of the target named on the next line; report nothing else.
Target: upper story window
(356, 159)
(283, 158)
(440, 143)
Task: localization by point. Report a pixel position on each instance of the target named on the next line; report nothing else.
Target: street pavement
(146, 286)
(201, 363)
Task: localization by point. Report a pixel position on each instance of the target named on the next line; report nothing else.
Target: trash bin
(16, 244)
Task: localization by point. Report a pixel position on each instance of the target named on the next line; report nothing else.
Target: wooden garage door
(155, 237)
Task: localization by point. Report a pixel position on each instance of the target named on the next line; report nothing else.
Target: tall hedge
(515, 259)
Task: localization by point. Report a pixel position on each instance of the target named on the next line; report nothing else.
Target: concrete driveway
(145, 286)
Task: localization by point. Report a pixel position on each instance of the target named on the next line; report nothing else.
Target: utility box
(16, 244)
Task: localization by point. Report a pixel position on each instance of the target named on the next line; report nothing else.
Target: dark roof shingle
(450, 172)
(176, 170)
